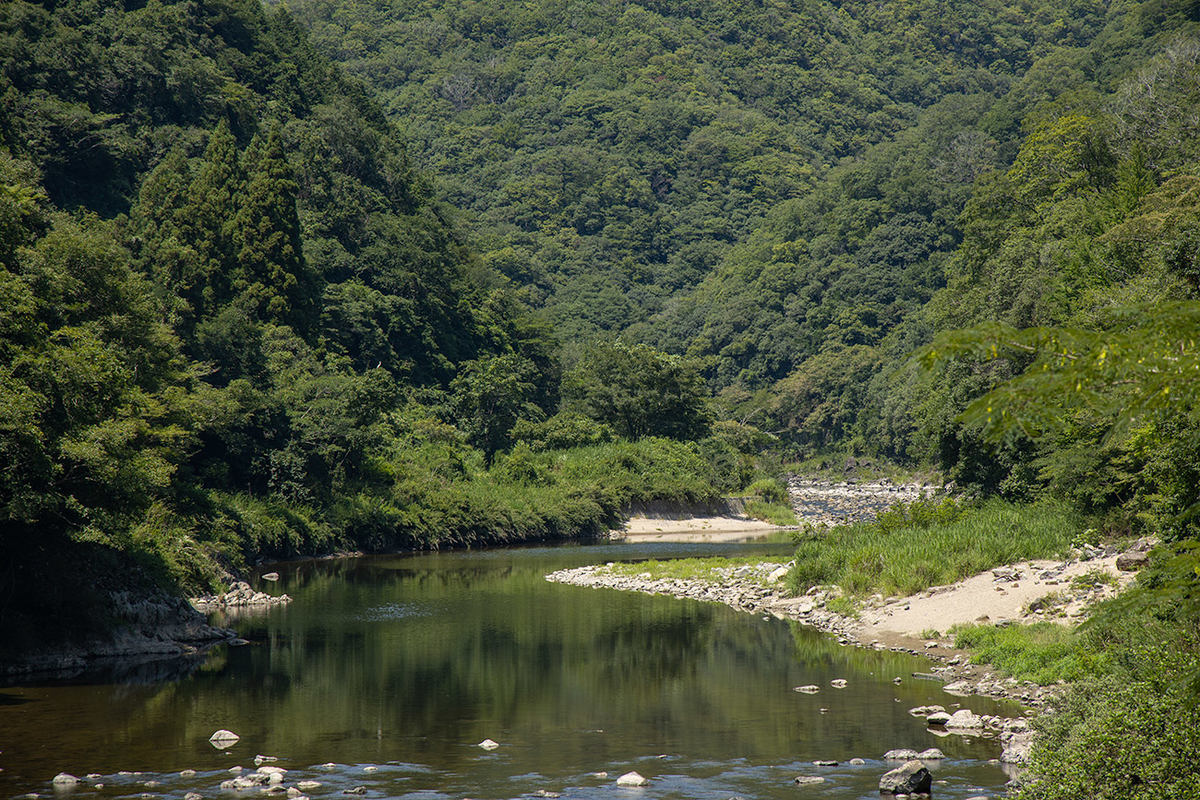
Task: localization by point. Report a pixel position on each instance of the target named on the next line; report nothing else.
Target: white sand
(694, 529)
(980, 596)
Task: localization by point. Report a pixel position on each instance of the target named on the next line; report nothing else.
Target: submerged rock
(64, 780)
(808, 780)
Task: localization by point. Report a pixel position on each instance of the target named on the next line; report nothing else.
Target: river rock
(308, 786)
(825, 763)
(193, 796)
(1132, 560)
(488, 744)
(964, 720)
(912, 777)
(838, 683)
(857, 762)
(808, 780)
(239, 596)
(932, 754)
(1017, 746)
(809, 689)
(271, 576)
(938, 718)
(632, 779)
(900, 754)
(64, 780)
(223, 738)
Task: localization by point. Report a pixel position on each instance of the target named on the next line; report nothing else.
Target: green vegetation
(867, 558)
(775, 513)
(708, 570)
(1044, 652)
(621, 252)
(236, 324)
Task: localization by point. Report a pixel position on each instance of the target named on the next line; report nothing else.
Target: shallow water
(392, 669)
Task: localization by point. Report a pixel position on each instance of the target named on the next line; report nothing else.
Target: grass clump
(775, 513)
(710, 570)
(1043, 652)
(1094, 578)
(902, 560)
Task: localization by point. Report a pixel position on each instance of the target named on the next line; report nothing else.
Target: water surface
(390, 670)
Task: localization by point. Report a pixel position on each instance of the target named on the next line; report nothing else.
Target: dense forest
(237, 324)
(291, 278)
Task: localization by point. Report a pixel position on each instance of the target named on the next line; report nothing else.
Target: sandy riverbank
(694, 529)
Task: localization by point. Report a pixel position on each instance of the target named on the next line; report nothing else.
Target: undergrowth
(712, 570)
(937, 545)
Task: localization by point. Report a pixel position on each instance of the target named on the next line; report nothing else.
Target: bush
(1132, 733)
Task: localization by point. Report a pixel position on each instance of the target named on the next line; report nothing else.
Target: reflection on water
(405, 663)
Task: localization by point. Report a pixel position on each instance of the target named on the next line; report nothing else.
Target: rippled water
(386, 672)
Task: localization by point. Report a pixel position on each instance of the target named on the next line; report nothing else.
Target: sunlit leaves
(1146, 364)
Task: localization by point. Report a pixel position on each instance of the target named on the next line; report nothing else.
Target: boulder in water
(632, 779)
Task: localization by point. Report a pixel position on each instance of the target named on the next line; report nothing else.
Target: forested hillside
(235, 324)
(609, 155)
(776, 190)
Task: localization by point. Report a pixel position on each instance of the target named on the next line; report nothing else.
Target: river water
(386, 672)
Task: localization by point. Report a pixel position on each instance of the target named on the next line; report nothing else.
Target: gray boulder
(909, 778)
(964, 720)
(1132, 560)
(901, 754)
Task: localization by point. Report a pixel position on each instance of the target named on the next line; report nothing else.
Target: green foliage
(864, 559)
(1044, 652)
(770, 489)
(775, 513)
(639, 391)
(564, 431)
(922, 513)
(490, 395)
(708, 570)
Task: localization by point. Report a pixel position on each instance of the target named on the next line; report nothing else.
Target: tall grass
(1044, 652)
(863, 559)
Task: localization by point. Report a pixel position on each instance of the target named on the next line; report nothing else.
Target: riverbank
(1058, 590)
(151, 632)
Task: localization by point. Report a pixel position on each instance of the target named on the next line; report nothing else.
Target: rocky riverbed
(825, 503)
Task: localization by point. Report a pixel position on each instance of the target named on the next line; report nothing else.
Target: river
(386, 672)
